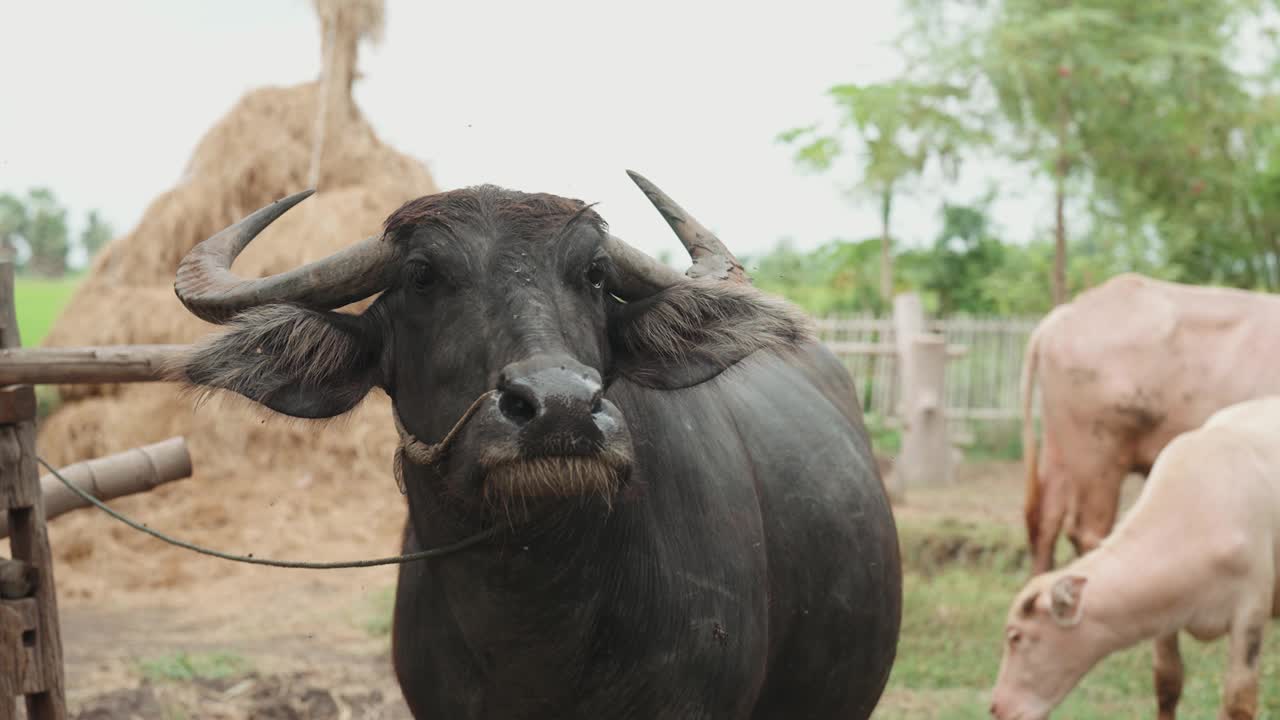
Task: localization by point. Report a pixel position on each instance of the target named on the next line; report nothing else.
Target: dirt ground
(286, 645)
(310, 644)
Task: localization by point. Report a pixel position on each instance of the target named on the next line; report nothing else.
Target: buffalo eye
(1013, 636)
(595, 274)
(420, 277)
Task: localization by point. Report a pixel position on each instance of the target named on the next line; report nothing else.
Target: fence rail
(984, 362)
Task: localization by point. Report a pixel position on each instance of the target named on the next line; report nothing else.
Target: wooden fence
(30, 635)
(984, 367)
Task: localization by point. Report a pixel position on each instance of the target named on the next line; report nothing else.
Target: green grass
(885, 438)
(39, 301)
(960, 579)
(376, 612)
(184, 667)
(953, 618)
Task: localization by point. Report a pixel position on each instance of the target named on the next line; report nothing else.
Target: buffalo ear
(298, 362)
(689, 333)
(1065, 604)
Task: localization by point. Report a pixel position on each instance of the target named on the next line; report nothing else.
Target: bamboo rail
(105, 364)
(132, 471)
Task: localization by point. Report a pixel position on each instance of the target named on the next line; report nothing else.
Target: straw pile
(262, 484)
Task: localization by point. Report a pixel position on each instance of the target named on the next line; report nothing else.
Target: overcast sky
(106, 100)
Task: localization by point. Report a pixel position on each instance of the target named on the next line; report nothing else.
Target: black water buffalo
(691, 521)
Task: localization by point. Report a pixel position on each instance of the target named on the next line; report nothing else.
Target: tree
(96, 233)
(835, 277)
(898, 126)
(965, 254)
(46, 233)
(1135, 103)
(13, 222)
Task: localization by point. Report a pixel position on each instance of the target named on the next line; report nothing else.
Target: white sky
(104, 102)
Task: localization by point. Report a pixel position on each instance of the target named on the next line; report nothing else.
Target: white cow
(1197, 552)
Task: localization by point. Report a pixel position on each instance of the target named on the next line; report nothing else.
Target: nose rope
(420, 453)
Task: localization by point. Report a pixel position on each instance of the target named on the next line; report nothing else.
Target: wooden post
(908, 322)
(926, 446)
(33, 669)
(10, 648)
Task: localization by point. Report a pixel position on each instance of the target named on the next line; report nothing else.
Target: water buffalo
(696, 527)
(1123, 369)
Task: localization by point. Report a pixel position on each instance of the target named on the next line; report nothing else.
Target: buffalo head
(515, 310)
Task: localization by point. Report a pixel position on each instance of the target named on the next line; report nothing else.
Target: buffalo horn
(639, 275)
(710, 256)
(207, 287)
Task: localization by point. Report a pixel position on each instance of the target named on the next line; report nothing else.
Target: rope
(250, 559)
(412, 448)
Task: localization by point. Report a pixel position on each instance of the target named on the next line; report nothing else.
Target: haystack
(262, 484)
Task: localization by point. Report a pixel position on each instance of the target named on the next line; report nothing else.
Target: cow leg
(1240, 690)
(1097, 507)
(1168, 676)
(1045, 516)
(1048, 525)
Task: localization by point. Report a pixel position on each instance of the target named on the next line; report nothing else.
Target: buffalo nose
(542, 389)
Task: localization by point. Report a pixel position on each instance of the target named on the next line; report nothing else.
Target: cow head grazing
(510, 311)
(1049, 645)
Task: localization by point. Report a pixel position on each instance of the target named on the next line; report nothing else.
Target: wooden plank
(988, 413)
(20, 490)
(10, 656)
(17, 579)
(17, 402)
(848, 347)
(21, 662)
(88, 365)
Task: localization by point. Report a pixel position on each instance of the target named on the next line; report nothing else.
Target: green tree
(838, 276)
(96, 233)
(964, 255)
(898, 127)
(13, 222)
(46, 233)
(1134, 103)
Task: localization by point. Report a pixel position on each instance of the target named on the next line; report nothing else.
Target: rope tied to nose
(409, 447)
(420, 453)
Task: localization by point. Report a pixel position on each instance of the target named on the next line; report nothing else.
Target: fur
(275, 348)
(711, 321)
(556, 476)
(511, 212)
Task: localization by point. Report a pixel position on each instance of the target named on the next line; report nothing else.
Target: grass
(960, 578)
(985, 440)
(953, 618)
(39, 301)
(885, 437)
(376, 612)
(184, 667)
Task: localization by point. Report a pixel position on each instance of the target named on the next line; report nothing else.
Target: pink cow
(1123, 369)
(1199, 551)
